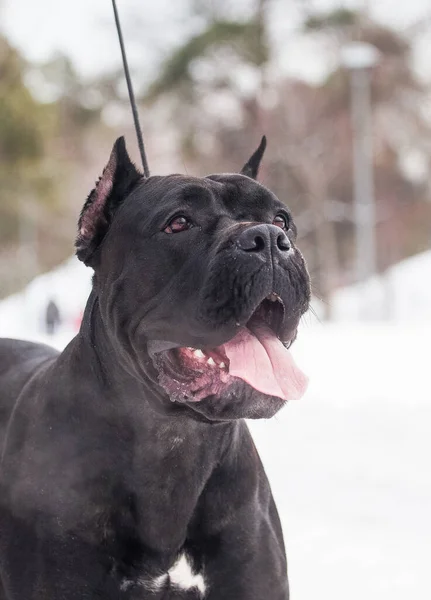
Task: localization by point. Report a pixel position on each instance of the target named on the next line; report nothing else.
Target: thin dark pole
(131, 94)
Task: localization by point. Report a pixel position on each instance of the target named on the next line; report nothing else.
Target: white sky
(84, 29)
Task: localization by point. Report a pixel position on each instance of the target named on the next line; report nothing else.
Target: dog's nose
(261, 238)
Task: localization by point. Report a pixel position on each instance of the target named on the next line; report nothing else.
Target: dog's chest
(180, 578)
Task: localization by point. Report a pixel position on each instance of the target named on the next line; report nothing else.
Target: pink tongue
(259, 358)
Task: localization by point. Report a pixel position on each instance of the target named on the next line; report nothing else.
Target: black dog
(127, 470)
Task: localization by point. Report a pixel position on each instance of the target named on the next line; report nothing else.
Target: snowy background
(349, 463)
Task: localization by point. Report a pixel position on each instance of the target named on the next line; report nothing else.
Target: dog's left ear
(251, 167)
(117, 180)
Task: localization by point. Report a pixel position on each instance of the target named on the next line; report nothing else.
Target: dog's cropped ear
(117, 180)
(251, 167)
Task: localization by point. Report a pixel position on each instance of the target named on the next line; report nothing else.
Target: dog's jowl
(127, 469)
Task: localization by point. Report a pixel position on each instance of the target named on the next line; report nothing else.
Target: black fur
(104, 480)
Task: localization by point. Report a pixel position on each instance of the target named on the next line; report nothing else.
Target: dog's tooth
(222, 365)
(211, 362)
(198, 353)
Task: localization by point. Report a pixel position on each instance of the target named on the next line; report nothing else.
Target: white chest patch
(182, 576)
(179, 576)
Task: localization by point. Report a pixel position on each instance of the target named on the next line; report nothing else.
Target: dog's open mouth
(256, 354)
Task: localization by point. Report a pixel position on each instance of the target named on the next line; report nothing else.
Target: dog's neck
(194, 447)
(125, 384)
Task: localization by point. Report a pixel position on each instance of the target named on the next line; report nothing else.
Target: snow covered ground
(349, 463)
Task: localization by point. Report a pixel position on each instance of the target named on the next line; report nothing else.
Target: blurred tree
(23, 179)
(48, 119)
(21, 130)
(215, 75)
(401, 135)
(77, 104)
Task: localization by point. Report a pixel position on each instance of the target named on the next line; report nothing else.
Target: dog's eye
(178, 224)
(281, 221)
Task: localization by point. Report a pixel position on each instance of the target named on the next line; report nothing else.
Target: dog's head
(201, 285)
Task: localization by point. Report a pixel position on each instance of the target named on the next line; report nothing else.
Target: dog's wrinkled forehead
(231, 194)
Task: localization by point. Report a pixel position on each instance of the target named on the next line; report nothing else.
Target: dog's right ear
(117, 180)
(251, 167)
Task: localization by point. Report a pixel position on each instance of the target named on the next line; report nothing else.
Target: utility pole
(359, 58)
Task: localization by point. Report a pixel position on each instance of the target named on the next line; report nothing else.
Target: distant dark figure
(52, 317)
